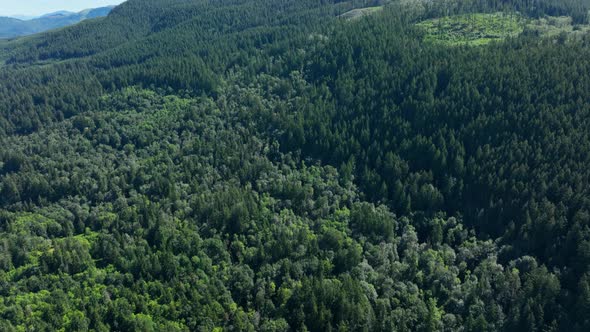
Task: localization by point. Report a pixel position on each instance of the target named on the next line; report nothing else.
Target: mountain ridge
(11, 27)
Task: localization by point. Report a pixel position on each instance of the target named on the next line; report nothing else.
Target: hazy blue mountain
(13, 27)
(58, 13)
(23, 17)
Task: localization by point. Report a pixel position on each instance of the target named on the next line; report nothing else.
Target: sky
(40, 7)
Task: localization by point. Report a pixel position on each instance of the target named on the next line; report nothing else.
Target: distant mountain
(60, 13)
(13, 27)
(23, 17)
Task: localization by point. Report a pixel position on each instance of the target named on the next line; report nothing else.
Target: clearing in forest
(473, 29)
(360, 12)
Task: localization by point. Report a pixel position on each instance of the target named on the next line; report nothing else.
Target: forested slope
(263, 165)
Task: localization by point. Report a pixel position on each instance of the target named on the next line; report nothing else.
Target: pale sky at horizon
(40, 7)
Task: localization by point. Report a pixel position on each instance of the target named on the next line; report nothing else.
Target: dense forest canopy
(283, 165)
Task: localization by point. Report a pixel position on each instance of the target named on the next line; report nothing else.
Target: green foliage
(560, 27)
(472, 29)
(360, 12)
(257, 165)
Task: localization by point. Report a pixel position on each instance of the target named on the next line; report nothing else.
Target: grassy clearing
(472, 29)
(552, 26)
(360, 12)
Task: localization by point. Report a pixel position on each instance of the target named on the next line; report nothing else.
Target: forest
(299, 165)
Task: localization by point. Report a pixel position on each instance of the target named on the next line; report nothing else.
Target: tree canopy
(273, 165)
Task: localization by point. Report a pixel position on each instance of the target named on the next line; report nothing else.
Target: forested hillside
(283, 165)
